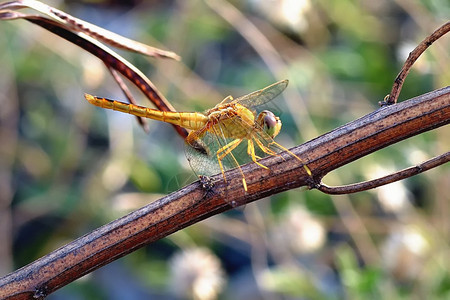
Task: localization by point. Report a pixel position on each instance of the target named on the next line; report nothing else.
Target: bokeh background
(67, 167)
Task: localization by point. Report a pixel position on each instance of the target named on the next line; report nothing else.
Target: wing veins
(262, 96)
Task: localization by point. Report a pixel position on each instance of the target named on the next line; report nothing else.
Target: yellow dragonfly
(215, 142)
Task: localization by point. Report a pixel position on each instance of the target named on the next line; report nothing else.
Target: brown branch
(412, 57)
(199, 201)
(370, 184)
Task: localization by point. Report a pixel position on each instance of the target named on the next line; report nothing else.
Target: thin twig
(412, 57)
(192, 204)
(370, 184)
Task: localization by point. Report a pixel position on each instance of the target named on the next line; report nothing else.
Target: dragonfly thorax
(231, 120)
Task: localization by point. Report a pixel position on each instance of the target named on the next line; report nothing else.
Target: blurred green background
(67, 167)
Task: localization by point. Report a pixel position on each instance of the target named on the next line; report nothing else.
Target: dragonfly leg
(227, 98)
(226, 150)
(266, 149)
(251, 152)
(288, 151)
(251, 149)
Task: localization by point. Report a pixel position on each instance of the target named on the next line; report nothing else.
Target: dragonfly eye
(270, 123)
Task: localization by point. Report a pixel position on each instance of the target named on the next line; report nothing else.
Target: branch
(199, 201)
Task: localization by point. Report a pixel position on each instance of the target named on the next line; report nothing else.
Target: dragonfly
(225, 136)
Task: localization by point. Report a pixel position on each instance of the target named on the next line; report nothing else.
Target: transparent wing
(262, 96)
(202, 155)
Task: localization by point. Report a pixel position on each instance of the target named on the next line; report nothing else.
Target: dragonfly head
(270, 123)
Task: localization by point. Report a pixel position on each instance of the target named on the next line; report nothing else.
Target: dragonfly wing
(262, 96)
(202, 154)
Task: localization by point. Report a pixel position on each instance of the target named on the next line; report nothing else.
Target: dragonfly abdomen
(192, 121)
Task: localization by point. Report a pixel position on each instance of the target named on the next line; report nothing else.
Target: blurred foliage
(67, 167)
